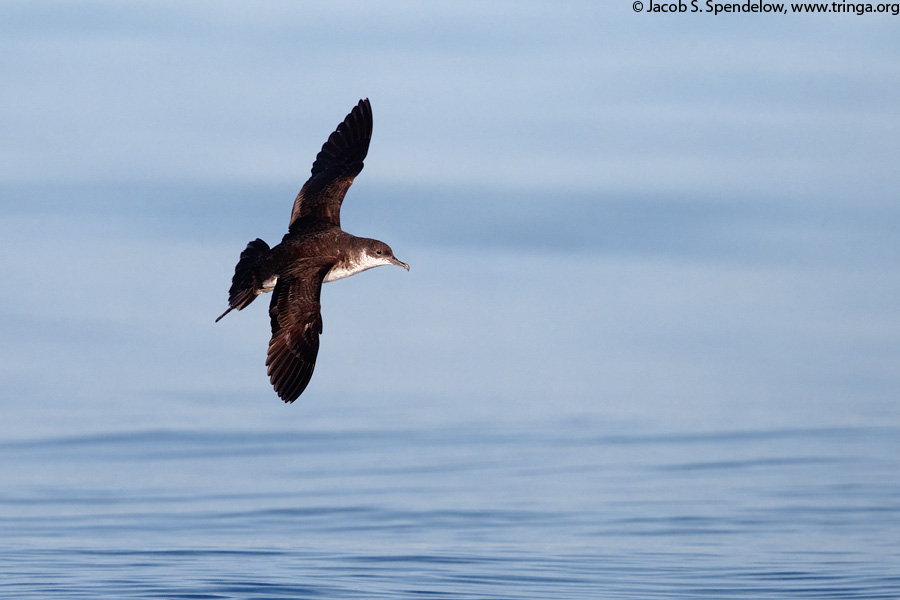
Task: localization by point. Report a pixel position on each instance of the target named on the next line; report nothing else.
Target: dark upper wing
(296, 325)
(340, 160)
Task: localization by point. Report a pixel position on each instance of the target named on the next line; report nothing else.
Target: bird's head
(379, 253)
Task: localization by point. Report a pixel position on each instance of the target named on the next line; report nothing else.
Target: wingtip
(365, 106)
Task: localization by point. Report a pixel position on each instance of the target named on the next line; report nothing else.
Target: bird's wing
(296, 325)
(340, 160)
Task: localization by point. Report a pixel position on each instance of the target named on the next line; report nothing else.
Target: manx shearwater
(314, 250)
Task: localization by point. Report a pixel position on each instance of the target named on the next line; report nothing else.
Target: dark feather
(244, 284)
(296, 318)
(336, 165)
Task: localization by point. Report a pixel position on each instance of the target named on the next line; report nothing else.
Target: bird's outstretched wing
(296, 325)
(340, 160)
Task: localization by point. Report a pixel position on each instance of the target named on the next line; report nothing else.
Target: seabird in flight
(314, 250)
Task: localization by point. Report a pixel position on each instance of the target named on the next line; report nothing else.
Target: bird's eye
(378, 252)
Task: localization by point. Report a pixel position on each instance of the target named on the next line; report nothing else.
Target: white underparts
(268, 285)
(348, 268)
(338, 271)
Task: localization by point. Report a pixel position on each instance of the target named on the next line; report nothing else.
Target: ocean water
(648, 347)
(573, 422)
(565, 508)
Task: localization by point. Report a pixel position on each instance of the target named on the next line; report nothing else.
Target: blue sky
(658, 218)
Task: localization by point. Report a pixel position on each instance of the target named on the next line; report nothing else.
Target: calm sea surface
(493, 424)
(649, 346)
(543, 509)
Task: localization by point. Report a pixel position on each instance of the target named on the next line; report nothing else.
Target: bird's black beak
(399, 263)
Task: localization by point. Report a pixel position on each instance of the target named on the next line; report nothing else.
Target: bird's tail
(244, 284)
